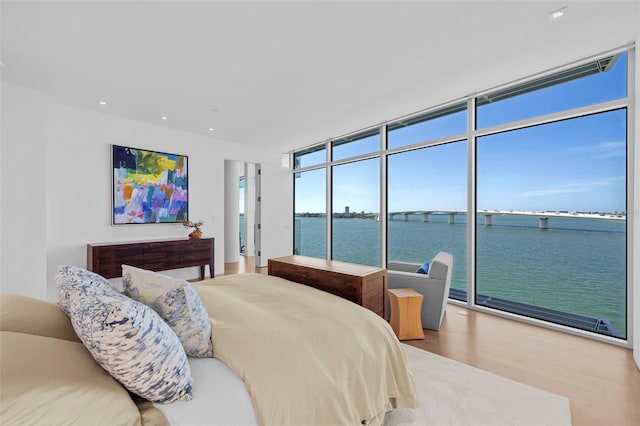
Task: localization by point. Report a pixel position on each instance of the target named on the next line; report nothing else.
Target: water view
(504, 151)
(577, 265)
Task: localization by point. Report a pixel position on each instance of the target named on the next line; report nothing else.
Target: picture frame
(148, 186)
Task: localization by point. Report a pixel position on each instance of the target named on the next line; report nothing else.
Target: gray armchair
(434, 286)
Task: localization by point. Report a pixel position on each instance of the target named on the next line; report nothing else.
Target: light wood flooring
(246, 264)
(601, 380)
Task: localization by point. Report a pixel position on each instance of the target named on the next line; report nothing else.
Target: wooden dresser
(106, 259)
(364, 285)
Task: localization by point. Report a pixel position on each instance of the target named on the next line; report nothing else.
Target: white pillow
(127, 338)
(177, 302)
(71, 278)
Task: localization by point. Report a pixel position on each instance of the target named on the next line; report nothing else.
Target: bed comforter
(306, 356)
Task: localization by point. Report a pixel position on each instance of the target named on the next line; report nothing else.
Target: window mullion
(329, 204)
(471, 203)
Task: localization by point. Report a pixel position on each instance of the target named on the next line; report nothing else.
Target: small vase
(196, 234)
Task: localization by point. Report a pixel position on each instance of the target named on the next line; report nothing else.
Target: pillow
(128, 339)
(424, 269)
(73, 278)
(177, 303)
(57, 382)
(24, 314)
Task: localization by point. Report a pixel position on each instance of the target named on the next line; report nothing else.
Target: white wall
(56, 186)
(23, 169)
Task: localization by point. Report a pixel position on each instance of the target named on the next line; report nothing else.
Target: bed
(284, 353)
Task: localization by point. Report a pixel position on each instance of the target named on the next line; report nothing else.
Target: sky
(572, 165)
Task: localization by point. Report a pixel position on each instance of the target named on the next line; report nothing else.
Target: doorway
(240, 210)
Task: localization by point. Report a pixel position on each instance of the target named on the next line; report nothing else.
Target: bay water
(577, 265)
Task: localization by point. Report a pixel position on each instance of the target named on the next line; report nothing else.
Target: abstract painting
(149, 186)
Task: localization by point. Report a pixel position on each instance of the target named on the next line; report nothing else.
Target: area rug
(452, 393)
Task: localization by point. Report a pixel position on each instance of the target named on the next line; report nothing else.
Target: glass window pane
(589, 84)
(310, 157)
(551, 235)
(310, 218)
(356, 210)
(364, 143)
(427, 206)
(434, 125)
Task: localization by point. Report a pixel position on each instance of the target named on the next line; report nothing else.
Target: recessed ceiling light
(102, 102)
(557, 14)
(164, 117)
(211, 129)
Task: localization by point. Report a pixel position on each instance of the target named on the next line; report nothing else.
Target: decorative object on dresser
(149, 186)
(364, 285)
(197, 232)
(107, 259)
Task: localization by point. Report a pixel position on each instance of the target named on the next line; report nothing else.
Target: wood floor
(601, 380)
(246, 264)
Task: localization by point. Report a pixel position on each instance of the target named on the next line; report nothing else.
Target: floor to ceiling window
(555, 241)
(427, 192)
(355, 199)
(310, 209)
(532, 200)
(552, 199)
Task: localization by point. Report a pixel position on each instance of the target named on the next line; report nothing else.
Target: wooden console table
(106, 259)
(364, 285)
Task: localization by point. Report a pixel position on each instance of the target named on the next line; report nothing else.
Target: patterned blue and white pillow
(73, 279)
(127, 339)
(177, 302)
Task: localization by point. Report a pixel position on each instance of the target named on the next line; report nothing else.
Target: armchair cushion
(423, 269)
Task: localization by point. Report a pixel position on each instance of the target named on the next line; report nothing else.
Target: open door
(274, 213)
(268, 211)
(239, 210)
(257, 227)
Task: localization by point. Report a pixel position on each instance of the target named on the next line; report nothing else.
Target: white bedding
(289, 354)
(219, 398)
(306, 357)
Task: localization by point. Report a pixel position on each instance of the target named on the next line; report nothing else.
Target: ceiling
(282, 75)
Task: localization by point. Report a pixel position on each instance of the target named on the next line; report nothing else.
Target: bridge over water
(543, 217)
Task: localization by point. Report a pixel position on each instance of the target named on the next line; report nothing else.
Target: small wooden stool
(406, 308)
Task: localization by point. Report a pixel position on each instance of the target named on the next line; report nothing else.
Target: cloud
(610, 149)
(600, 150)
(575, 187)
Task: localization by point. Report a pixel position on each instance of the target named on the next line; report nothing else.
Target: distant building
(346, 210)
